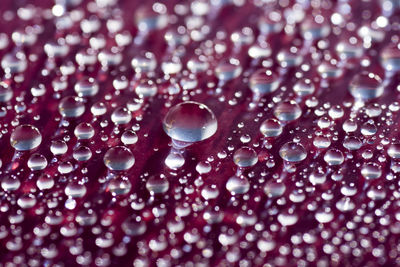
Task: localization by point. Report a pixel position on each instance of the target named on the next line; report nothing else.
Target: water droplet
(157, 185)
(304, 87)
(260, 50)
(84, 131)
(287, 111)
(289, 57)
(394, 151)
(366, 86)
(10, 184)
(119, 158)
(148, 20)
(82, 153)
(293, 152)
(287, 219)
(352, 143)
(129, 137)
(118, 186)
(203, 167)
(238, 185)
(272, 22)
(348, 49)
(86, 87)
(245, 157)
(98, 109)
(228, 70)
(44, 182)
(371, 171)
(71, 107)
(14, 63)
(37, 162)
(210, 192)
(75, 190)
(134, 226)
(58, 147)
(121, 116)
(25, 137)
(146, 89)
(334, 157)
(313, 30)
(264, 81)
(274, 189)
(6, 93)
(190, 122)
(144, 62)
(271, 128)
(174, 160)
(390, 57)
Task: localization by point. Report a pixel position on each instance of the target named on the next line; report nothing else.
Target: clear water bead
(293, 152)
(228, 70)
(37, 162)
(25, 137)
(129, 137)
(394, 151)
(84, 131)
(190, 122)
(271, 128)
(119, 158)
(371, 171)
(264, 81)
(390, 57)
(366, 86)
(71, 107)
(304, 88)
(238, 185)
(245, 157)
(287, 111)
(86, 87)
(334, 157)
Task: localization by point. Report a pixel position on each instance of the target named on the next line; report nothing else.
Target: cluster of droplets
(200, 133)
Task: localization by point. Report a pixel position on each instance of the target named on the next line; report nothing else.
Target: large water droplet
(245, 157)
(37, 162)
(366, 86)
(174, 160)
(71, 107)
(84, 131)
(228, 70)
(293, 152)
(394, 151)
(334, 157)
(390, 57)
(86, 87)
(25, 137)
(238, 185)
(157, 185)
(119, 158)
(287, 111)
(304, 88)
(264, 81)
(271, 128)
(371, 171)
(190, 122)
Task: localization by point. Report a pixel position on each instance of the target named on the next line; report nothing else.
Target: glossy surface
(199, 133)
